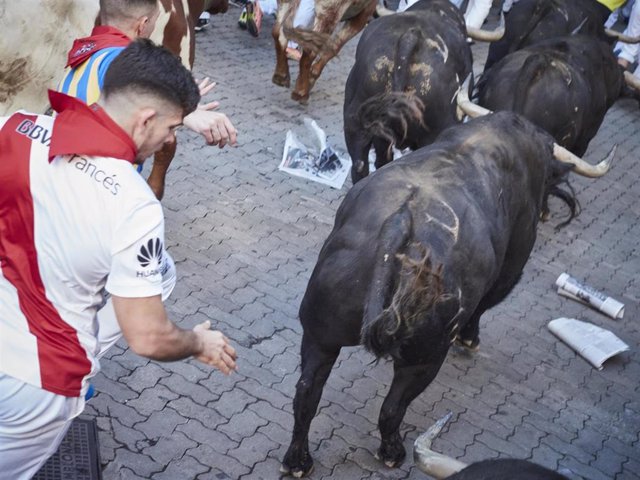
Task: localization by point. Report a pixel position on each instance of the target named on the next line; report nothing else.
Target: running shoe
(254, 17)
(242, 21)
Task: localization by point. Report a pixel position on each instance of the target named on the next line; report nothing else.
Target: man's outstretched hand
(216, 350)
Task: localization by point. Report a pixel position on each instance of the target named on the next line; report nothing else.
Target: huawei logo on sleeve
(150, 258)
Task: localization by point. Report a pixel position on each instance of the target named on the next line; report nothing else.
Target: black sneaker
(203, 22)
(242, 21)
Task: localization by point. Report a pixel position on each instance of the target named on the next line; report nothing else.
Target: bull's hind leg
(316, 366)
(358, 146)
(349, 29)
(469, 336)
(301, 91)
(161, 161)
(408, 382)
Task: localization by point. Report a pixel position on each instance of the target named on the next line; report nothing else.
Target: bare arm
(149, 332)
(215, 127)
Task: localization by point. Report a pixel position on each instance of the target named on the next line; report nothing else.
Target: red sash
(101, 37)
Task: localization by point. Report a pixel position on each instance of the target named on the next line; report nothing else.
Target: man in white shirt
(76, 218)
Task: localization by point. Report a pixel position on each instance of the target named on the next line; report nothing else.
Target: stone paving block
(341, 416)
(178, 384)
(631, 469)
(331, 451)
(160, 424)
(204, 433)
(268, 468)
(253, 449)
(609, 463)
(168, 449)
(125, 436)
(145, 377)
(345, 398)
(113, 370)
(527, 436)
(185, 467)
(222, 466)
(279, 434)
(233, 402)
(274, 397)
(114, 388)
(546, 456)
(140, 464)
(207, 415)
(242, 425)
(584, 471)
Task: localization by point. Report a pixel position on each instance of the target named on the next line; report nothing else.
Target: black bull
(532, 21)
(401, 88)
(419, 251)
(564, 85)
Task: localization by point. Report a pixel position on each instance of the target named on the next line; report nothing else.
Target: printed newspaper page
(320, 164)
(593, 343)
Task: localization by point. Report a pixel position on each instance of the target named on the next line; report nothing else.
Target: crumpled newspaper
(318, 162)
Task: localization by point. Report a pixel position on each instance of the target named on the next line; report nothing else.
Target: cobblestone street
(245, 238)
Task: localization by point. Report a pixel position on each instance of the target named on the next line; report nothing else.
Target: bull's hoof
(301, 98)
(281, 80)
(473, 345)
(392, 455)
(296, 472)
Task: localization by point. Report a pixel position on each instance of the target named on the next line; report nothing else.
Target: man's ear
(141, 25)
(142, 123)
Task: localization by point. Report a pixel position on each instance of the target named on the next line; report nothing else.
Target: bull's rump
(563, 85)
(471, 201)
(431, 68)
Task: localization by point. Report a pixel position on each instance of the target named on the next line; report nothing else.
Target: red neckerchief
(101, 37)
(87, 130)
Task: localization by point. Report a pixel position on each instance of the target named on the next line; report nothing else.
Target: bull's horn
(487, 35)
(621, 36)
(580, 166)
(430, 462)
(631, 80)
(471, 109)
(383, 11)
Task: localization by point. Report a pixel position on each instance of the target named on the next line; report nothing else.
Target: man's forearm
(171, 345)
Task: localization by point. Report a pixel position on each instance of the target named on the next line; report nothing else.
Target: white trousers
(33, 423)
(629, 51)
(476, 14)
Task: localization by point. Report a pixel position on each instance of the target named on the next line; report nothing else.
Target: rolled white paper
(572, 288)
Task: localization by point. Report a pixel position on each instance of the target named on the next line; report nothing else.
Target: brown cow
(318, 45)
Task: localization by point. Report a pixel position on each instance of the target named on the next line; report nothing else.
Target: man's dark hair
(117, 10)
(146, 68)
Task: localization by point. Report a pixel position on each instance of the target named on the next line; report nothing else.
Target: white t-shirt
(93, 223)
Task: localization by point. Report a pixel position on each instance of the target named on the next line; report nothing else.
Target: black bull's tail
(389, 114)
(408, 296)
